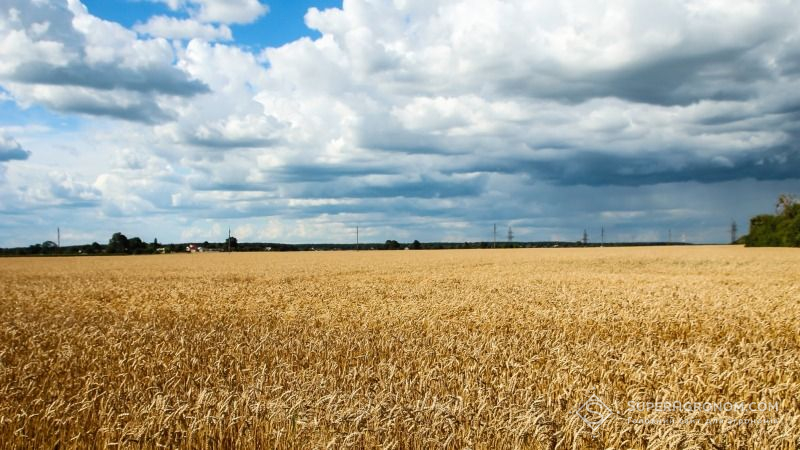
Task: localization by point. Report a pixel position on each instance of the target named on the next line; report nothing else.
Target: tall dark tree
(118, 243)
(49, 247)
(231, 243)
(136, 245)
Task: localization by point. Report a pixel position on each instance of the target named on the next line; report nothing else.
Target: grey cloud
(13, 153)
(223, 142)
(319, 182)
(601, 168)
(147, 80)
(678, 79)
(682, 80)
(10, 149)
(426, 186)
(55, 13)
(315, 173)
(144, 111)
(609, 169)
(384, 133)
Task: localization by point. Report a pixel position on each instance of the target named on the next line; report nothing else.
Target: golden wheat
(422, 349)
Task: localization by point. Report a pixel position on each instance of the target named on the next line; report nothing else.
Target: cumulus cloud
(174, 28)
(221, 11)
(611, 93)
(229, 117)
(43, 189)
(59, 55)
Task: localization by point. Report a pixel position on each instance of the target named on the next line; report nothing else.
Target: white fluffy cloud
(173, 28)
(221, 11)
(59, 55)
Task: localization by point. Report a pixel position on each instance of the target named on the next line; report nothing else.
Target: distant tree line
(779, 230)
(119, 244)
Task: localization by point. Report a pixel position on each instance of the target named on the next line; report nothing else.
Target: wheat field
(407, 349)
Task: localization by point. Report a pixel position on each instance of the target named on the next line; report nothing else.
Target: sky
(296, 121)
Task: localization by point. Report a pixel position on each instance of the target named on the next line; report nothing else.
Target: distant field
(405, 349)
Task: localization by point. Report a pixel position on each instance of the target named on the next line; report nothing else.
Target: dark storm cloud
(597, 169)
(601, 168)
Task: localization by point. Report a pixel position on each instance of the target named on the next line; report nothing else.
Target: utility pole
(585, 238)
(229, 240)
(58, 237)
(494, 242)
(669, 236)
(510, 235)
(356, 237)
(602, 236)
(733, 232)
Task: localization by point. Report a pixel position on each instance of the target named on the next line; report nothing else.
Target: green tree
(785, 201)
(779, 230)
(136, 245)
(391, 245)
(231, 243)
(49, 247)
(118, 243)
